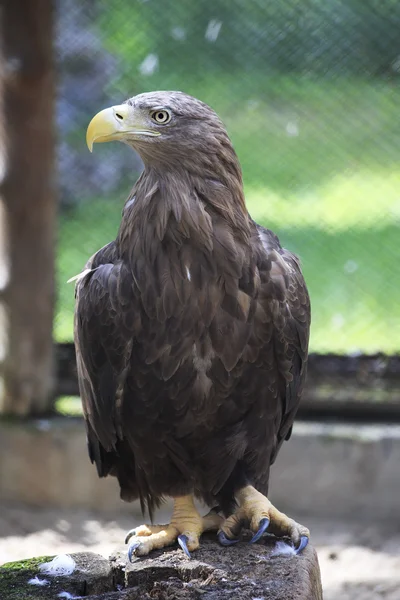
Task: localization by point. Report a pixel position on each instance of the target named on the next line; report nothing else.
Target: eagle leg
(257, 511)
(186, 527)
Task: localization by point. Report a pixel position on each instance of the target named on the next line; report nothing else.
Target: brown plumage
(192, 326)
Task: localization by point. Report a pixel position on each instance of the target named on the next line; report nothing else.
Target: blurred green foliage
(311, 37)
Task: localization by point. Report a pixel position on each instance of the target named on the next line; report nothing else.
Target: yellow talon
(253, 509)
(186, 522)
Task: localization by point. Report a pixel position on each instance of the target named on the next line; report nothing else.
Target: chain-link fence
(310, 94)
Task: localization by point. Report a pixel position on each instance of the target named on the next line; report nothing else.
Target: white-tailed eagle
(191, 333)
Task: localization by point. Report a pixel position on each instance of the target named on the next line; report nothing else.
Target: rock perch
(241, 572)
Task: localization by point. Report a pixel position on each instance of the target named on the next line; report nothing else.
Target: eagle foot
(256, 511)
(186, 527)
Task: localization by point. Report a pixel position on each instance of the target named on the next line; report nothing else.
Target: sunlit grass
(70, 406)
(350, 266)
(321, 165)
(350, 201)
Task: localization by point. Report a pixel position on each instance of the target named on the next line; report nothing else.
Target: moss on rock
(92, 575)
(14, 579)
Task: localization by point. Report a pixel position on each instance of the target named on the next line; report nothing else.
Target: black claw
(182, 541)
(224, 541)
(131, 533)
(131, 550)
(303, 544)
(262, 527)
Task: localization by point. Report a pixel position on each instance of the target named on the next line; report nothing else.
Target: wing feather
(284, 294)
(104, 327)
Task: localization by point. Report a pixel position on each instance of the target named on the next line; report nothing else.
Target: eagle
(191, 333)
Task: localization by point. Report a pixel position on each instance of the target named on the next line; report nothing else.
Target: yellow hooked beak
(116, 123)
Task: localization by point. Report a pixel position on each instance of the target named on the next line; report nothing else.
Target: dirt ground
(359, 561)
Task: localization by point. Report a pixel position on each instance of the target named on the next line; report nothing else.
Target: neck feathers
(174, 206)
(185, 239)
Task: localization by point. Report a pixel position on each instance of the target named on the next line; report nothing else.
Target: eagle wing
(104, 328)
(283, 294)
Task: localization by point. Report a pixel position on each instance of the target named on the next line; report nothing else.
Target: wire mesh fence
(310, 94)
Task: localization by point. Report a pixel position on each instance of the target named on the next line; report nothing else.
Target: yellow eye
(161, 116)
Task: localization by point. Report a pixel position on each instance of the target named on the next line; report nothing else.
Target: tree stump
(241, 572)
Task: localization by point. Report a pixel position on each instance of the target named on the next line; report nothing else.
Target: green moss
(14, 579)
(28, 564)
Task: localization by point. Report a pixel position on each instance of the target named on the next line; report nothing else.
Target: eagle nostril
(120, 117)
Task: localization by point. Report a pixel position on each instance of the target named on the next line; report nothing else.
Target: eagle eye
(161, 116)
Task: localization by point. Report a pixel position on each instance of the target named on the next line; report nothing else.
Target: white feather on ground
(36, 581)
(63, 564)
(67, 595)
(283, 549)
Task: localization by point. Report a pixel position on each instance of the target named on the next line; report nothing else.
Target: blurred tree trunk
(27, 207)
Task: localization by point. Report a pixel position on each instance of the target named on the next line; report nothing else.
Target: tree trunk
(27, 207)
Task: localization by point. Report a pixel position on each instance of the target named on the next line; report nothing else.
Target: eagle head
(162, 127)
(166, 128)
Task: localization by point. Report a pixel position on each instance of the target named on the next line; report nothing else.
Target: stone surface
(243, 572)
(327, 470)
